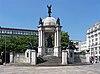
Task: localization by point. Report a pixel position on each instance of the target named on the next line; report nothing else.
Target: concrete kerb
(29, 65)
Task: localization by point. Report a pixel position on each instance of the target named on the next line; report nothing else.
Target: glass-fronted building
(17, 32)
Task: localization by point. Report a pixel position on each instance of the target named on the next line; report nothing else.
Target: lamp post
(5, 50)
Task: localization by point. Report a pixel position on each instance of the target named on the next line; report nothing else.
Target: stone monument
(47, 27)
(70, 49)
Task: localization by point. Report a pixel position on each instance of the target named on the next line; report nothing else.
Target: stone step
(49, 60)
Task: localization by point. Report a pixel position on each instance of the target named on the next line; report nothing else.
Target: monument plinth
(47, 27)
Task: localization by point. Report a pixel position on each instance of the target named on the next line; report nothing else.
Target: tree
(17, 44)
(2, 44)
(64, 39)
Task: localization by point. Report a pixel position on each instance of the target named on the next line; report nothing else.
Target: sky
(76, 15)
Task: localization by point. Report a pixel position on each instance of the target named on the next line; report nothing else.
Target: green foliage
(64, 38)
(17, 44)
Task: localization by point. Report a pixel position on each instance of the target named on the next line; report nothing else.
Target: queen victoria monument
(47, 27)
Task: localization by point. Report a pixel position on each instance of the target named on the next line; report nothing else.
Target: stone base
(49, 51)
(57, 51)
(87, 57)
(41, 51)
(64, 57)
(31, 56)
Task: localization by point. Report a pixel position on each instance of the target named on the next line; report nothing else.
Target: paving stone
(82, 69)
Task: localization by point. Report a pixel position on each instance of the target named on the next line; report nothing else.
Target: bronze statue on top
(58, 21)
(40, 21)
(49, 10)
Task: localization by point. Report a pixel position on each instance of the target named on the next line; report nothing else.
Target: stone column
(40, 48)
(64, 57)
(43, 43)
(33, 57)
(39, 39)
(57, 48)
(97, 54)
(55, 39)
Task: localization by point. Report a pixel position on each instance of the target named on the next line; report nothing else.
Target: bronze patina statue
(29, 45)
(49, 10)
(58, 21)
(40, 21)
(49, 42)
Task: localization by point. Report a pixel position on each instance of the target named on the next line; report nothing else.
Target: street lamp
(5, 50)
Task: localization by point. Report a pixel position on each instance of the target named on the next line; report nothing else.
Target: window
(3, 31)
(92, 44)
(95, 52)
(15, 32)
(96, 35)
(96, 48)
(96, 39)
(96, 43)
(95, 27)
(92, 40)
(92, 36)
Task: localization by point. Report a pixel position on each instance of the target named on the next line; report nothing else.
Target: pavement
(80, 69)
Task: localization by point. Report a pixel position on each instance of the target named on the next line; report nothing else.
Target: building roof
(18, 29)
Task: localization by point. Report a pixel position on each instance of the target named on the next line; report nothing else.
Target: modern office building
(93, 40)
(17, 32)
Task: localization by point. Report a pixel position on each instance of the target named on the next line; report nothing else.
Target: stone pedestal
(64, 57)
(28, 56)
(57, 51)
(41, 51)
(31, 56)
(70, 55)
(87, 57)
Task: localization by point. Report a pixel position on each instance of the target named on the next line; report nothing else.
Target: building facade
(17, 32)
(83, 45)
(77, 44)
(93, 40)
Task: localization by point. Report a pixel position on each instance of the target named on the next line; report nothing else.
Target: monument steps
(49, 60)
